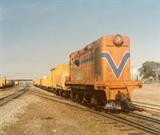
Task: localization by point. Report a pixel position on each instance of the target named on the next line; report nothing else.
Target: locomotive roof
(93, 43)
(87, 46)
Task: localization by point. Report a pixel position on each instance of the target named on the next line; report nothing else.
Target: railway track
(142, 122)
(144, 117)
(150, 108)
(8, 98)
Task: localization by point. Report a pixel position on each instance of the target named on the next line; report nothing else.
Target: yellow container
(36, 81)
(49, 81)
(53, 83)
(16, 83)
(2, 82)
(59, 76)
(44, 81)
(6, 82)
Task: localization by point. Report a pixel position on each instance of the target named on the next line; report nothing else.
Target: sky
(37, 35)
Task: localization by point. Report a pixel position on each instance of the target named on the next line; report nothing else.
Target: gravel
(34, 115)
(48, 117)
(10, 112)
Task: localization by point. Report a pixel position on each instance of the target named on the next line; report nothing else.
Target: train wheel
(80, 99)
(76, 97)
(63, 93)
(66, 94)
(94, 102)
(85, 100)
(71, 96)
(56, 91)
(59, 92)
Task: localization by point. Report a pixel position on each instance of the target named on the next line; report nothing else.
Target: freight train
(5, 83)
(97, 75)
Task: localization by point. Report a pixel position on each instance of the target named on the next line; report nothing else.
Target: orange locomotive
(100, 73)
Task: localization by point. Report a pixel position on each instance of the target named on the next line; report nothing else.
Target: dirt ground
(34, 115)
(150, 93)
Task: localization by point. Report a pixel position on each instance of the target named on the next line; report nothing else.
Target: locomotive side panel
(83, 69)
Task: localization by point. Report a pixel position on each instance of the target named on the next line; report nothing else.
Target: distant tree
(150, 69)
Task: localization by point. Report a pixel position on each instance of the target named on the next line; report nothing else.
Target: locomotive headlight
(118, 40)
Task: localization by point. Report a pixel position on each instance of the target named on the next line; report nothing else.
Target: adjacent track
(147, 105)
(10, 97)
(150, 108)
(146, 123)
(138, 121)
(144, 117)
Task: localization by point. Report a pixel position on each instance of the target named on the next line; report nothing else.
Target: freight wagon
(4, 82)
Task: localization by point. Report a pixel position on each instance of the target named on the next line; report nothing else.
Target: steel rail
(139, 125)
(143, 117)
(6, 99)
(147, 107)
(146, 104)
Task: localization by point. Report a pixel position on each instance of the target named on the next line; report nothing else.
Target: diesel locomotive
(98, 74)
